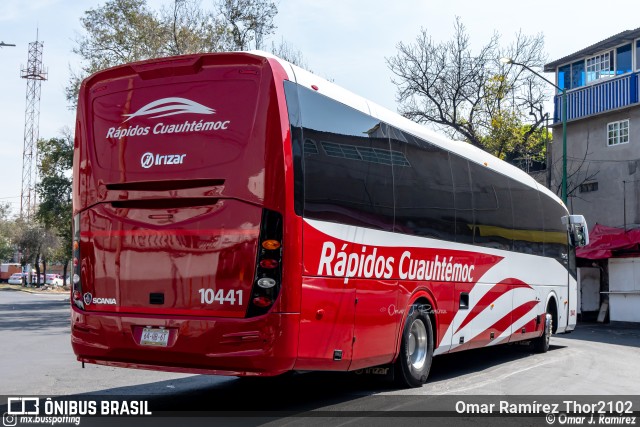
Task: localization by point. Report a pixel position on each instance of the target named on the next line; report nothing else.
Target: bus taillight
(76, 284)
(269, 263)
(262, 302)
(268, 275)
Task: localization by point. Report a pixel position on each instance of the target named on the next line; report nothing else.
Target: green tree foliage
(122, 31)
(29, 237)
(470, 94)
(7, 248)
(248, 21)
(54, 192)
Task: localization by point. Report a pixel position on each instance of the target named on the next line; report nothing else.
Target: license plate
(154, 336)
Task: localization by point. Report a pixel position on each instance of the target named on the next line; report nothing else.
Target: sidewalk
(34, 290)
(627, 334)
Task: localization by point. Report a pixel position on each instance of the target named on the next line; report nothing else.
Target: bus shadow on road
(297, 393)
(449, 366)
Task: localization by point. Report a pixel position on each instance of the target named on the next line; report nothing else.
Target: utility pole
(34, 74)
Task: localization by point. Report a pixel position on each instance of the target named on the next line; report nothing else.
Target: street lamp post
(564, 123)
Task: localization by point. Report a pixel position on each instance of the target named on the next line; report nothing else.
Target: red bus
(237, 215)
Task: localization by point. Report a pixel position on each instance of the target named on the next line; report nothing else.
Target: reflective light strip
(210, 231)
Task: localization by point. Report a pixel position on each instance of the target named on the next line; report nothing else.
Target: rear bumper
(261, 346)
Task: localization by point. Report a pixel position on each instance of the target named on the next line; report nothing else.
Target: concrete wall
(590, 158)
(624, 289)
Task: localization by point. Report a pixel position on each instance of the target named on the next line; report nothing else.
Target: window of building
(571, 76)
(564, 81)
(599, 66)
(588, 187)
(637, 54)
(577, 74)
(623, 59)
(618, 132)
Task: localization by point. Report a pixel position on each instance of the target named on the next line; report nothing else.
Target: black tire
(541, 344)
(416, 349)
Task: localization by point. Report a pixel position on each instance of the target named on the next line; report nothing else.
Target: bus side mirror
(578, 231)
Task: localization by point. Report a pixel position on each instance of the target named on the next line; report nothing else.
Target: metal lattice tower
(35, 74)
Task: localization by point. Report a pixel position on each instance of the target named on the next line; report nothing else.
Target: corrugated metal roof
(628, 35)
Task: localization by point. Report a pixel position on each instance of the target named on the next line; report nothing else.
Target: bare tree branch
(470, 94)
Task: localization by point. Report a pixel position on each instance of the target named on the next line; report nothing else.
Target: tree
(120, 31)
(29, 238)
(248, 21)
(472, 95)
(289, 53)
(579, 171)
(123, 31)
(7, 248)
(190, 29)
(54, 191)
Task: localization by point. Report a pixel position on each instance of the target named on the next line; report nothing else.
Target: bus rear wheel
(416, 349)
(541, 344)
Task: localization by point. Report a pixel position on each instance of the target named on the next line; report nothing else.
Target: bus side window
(555, 232)
(528, 236)
(463, 199)
(423, 188)
(346, 164)
(492, 208)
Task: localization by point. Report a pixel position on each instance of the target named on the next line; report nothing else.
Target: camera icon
(9, 420)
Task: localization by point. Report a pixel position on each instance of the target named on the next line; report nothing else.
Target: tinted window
(347, 164)
(563, 77)
(293, 107)
(577, 74)
(423, 187)
(463, 199)
(623, 56)
(528, 236)
(555, 233)
(492, 208)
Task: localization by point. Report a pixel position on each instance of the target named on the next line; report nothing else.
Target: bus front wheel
(416, 349)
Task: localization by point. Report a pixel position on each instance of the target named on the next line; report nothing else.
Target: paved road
(37, 360)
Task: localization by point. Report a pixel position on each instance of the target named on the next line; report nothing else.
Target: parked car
(17, 279)
(54, 279)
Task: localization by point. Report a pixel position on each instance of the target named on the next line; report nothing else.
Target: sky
(345, 40)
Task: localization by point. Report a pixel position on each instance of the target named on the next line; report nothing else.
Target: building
(603, 158)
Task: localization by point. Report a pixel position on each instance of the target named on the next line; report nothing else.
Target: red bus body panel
(170, 160)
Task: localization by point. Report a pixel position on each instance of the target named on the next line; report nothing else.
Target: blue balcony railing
(598, 98)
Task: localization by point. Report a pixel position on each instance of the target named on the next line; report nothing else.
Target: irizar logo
(149, 159)
(170, 107)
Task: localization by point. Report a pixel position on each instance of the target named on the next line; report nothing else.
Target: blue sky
(345, 40)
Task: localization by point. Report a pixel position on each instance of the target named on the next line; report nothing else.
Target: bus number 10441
(209, 296)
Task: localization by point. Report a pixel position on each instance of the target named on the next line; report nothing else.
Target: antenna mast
(35, 74)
